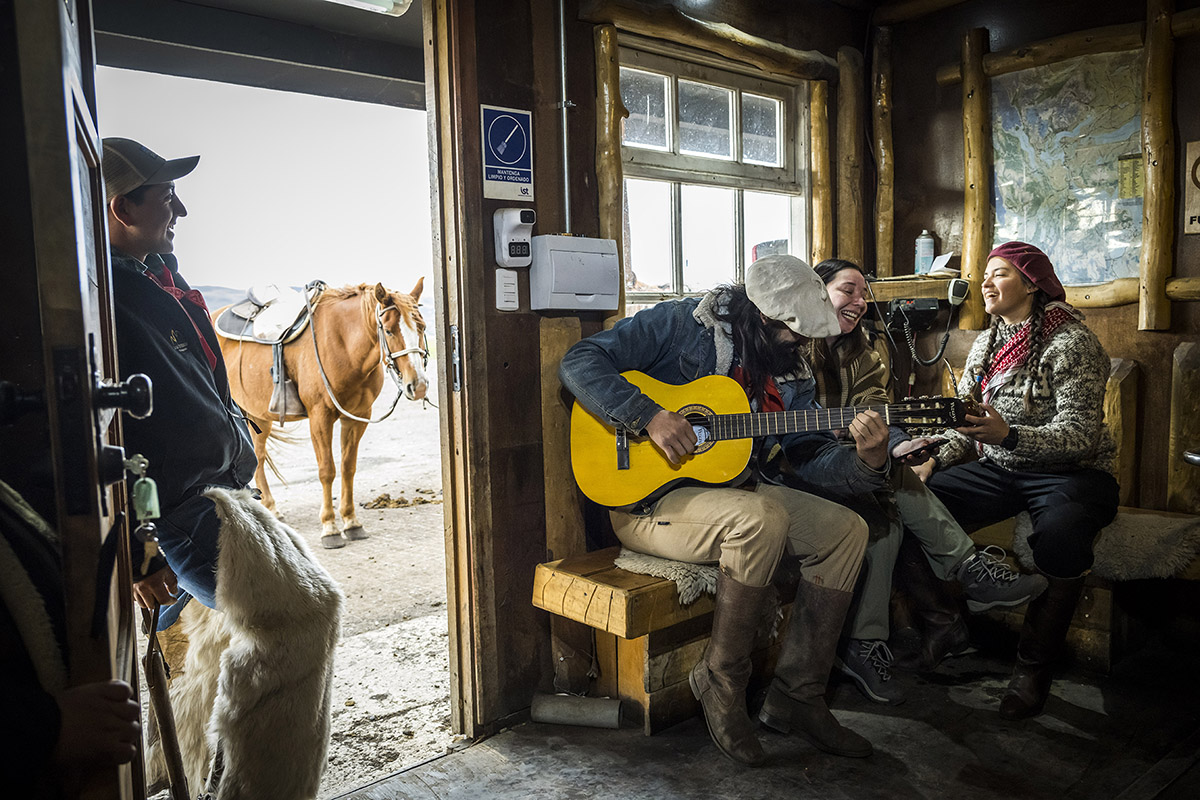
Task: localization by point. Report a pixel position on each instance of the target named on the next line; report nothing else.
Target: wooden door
(57, 346)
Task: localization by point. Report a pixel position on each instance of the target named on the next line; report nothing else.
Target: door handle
(135, 396)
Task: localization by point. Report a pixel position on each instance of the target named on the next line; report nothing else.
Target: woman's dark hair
(824, 360)
(755, 341)
(1037, 341)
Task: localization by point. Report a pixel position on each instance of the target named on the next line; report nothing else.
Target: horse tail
(275, 437)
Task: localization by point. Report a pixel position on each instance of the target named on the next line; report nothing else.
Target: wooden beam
(1183, 289)
(1120, 415)
(1185, 23)
(1119, 292)
(1111, 39)
(850, 155)
(905, 10)
(1158, 164)
(822, 185)
(610, 111)
(907, 288)
(977, 170)
(1183, 479)
(885, 160)
(669, 23)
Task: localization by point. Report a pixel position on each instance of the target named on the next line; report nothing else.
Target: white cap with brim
(789, 291)
(128, 165)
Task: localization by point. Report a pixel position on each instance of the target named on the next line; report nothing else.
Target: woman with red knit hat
(1042, 447)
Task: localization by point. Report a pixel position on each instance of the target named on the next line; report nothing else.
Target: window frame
(790, 178)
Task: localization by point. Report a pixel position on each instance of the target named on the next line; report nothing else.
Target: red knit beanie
(1034, 264)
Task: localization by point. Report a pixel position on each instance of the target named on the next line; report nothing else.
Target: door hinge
(455, 358)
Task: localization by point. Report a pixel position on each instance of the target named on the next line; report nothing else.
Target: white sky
(290, 187)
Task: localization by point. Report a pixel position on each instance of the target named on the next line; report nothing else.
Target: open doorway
(292, 188)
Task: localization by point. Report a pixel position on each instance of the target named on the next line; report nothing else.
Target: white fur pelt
(283, 613)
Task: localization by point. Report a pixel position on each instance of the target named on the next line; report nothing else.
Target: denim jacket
(677, 342)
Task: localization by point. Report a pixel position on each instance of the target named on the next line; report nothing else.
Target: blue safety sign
(507, 153)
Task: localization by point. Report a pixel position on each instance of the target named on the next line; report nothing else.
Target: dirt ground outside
(391, 706)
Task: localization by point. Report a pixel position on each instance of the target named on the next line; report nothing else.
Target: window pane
(704, 120)
(648, 262)
(768, 224)
(645, 95)
(760, 130)
(707, 221)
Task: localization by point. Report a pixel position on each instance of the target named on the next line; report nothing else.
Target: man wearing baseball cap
(196, 436)
(752, 333)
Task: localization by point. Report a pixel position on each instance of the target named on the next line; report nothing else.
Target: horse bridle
(387, 357)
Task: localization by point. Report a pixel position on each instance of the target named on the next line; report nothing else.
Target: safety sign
(507, 153)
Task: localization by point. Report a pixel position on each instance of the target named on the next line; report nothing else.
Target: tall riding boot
(719, 679)
(943, 631)
(796, 699)
(1047, 621)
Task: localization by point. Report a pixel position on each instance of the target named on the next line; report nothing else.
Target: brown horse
(361, 332)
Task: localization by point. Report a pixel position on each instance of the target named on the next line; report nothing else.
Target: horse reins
(386, 357)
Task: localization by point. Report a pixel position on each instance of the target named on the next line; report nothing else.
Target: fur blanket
(258, 674)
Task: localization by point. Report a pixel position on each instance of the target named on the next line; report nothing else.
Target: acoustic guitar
(615, 468)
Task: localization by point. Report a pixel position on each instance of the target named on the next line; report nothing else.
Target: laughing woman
(1042, 445)
(849, 372)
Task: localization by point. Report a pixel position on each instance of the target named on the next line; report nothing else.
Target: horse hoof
(355, 534)
(332, 541)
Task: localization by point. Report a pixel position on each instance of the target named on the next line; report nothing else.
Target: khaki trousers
(746, 532)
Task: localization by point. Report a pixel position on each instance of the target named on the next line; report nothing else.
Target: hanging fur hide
(258, 674)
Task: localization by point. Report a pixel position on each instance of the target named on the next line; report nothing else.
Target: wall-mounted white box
(574, 272)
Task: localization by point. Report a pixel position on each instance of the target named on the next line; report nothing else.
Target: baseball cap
(789, 291)
(1034, 264)
(128, 165)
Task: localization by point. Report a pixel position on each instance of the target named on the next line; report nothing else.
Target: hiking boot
(868, 662)
(988, 582)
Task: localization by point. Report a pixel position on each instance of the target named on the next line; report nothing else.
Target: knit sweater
(1064, 428)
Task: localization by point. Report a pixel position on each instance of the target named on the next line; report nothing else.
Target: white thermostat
(513, 230)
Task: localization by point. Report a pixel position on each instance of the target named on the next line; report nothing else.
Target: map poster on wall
(1067, 145)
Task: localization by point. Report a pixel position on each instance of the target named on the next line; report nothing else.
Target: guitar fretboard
(778, 423)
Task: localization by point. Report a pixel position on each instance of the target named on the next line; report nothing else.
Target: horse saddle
(268, 315)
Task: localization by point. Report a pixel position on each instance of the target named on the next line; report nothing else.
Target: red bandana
(1015, 351)
(772, 400)
(167, 282)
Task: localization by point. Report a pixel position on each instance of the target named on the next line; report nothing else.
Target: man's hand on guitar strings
(672, 434)
(870, 434)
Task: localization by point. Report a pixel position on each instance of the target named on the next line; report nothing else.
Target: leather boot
(796, 699)
(719, 679)
(943, 630)
(1047, 621)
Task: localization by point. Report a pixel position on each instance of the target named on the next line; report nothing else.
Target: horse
(360, 332)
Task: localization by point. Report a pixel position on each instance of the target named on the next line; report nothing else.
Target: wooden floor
(1133, 734)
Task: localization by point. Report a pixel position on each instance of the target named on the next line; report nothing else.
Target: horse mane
(366, 294)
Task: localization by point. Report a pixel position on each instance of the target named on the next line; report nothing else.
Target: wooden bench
(646, 642)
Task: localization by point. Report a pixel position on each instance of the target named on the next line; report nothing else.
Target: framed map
(1066, 139)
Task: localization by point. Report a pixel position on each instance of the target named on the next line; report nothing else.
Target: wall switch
(508, 297)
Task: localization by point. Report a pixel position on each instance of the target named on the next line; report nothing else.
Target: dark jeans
(1068, 508)
(188, 539)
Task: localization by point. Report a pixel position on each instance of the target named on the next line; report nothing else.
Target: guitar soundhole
(699, 416)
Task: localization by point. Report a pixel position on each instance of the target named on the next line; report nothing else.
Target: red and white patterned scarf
(1015, 352)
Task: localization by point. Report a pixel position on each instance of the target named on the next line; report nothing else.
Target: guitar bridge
(622, 449)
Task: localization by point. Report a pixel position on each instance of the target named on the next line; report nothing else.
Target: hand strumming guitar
(870, 434)
(672, 434)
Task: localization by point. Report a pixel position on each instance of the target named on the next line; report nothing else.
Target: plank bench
(646, 642)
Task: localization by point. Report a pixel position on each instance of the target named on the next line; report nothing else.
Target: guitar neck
(779, 423)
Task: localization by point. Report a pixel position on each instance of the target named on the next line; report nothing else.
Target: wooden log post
(1183, 479)
(885, 160)
(610, 111)
(1120, 415)
(850, 155)
(977, 170)
(1158, 164)
(818, 159)
(1183, 288)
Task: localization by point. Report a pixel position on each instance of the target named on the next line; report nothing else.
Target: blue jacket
(669, 344)
(196, 437)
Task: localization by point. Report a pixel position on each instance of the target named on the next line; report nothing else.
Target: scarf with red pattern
(1015, 352)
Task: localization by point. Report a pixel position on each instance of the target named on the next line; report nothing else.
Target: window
(715, 170)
